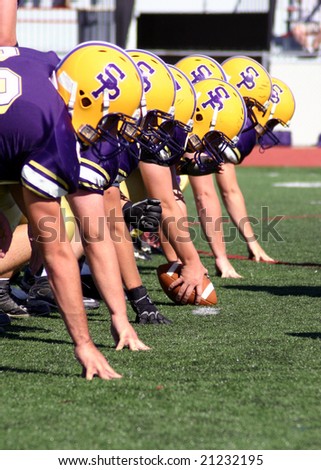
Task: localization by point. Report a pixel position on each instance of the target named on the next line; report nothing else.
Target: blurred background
(283, 35)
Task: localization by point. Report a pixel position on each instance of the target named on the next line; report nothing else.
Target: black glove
(204, 165)
(144, 215)
(146, 311)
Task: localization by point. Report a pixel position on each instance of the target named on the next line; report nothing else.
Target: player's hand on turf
(126, 337)
(94, 363)
(152, 317)
(257, 253)
(225, 270)
(146, 311)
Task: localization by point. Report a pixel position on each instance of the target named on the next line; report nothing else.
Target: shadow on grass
(15, 335)
(18, 328)
(310, 291)
(309, 335)
(147, 269)
(19, 370)
(12, 333)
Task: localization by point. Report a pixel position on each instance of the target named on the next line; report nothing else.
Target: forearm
(174, 223)
(234, 201)
(8, 19)
(175, 228)
(236, 208)
(209, 211)
(102, 259)
(99, 248)
(60, 262)
(125, 254)
(121, 237)
(211, 219)
(62, 271)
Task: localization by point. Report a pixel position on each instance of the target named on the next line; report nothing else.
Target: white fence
(60, 29)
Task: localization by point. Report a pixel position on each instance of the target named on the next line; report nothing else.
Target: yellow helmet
(102, 87)
(251, 80)
(182, 125)
(282, 105)
(198, 67)
(185, 99)
(159, 87)
(159, 127)
(280, 111)
(219, 117)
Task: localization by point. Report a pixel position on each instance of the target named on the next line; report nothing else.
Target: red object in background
(284, 156)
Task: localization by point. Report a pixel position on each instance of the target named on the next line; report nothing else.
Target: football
(169, 272)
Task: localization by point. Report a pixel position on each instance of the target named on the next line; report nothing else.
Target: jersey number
(10, 88)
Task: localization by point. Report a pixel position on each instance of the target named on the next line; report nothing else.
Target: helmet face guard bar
(268, 139)
(107, 130)
(163, 143)
(213, 144)
(209, 165)
(250, 104)
(154, 133)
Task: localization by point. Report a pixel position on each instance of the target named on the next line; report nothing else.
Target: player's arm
(121, 238)
(146, 311)
(210, 215)
(234, 202)
(8, 20)
(102, 259)
(63, 275)
(158, 183)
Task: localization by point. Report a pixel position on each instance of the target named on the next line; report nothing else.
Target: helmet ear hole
(85, 102)
(198, 117)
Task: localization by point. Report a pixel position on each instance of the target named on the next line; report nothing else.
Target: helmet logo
(177, 85)
(146, 70)
(276, 92)
(200, 73)
(248, 76)
(110, 81)
(217, 97)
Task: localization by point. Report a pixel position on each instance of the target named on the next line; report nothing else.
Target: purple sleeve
(246, 142)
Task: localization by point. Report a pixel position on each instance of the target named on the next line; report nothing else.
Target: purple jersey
(99, 164)
(247, 140)
(128, 162)
(37, 142)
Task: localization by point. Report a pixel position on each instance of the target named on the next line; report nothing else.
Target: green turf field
(248, 377)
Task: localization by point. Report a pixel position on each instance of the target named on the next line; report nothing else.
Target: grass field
(247, 377)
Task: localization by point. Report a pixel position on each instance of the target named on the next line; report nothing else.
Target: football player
(163, 141)
(41, 158)
(254, 84)
(110, 84)
(38, 161)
